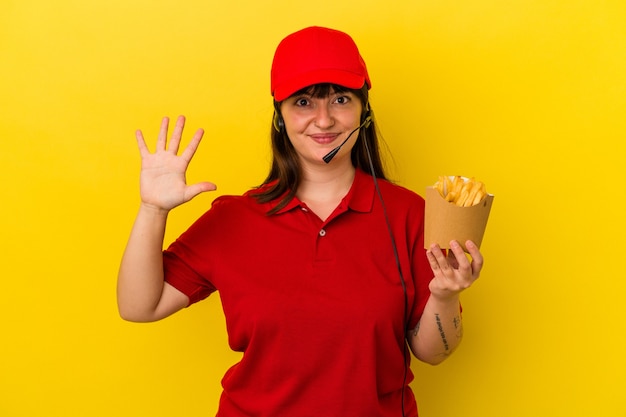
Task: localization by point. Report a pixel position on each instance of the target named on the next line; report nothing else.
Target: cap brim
(330, 76)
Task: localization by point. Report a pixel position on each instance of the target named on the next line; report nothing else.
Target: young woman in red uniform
(325, 283)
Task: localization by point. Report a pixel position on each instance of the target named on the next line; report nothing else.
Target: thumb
(194, 189)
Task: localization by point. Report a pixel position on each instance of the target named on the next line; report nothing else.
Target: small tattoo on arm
(458, 325)
(417, 328)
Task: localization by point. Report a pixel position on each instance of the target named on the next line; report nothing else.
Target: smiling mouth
(324, 138)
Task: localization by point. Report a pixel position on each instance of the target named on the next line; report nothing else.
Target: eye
(342, 100)
(301, 102)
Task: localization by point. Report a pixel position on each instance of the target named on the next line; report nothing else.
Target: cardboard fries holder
(445, 221)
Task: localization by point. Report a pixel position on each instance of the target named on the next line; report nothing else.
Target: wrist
(446, 299)
(153, 210)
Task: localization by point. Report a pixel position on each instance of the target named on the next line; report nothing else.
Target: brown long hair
(285, 172)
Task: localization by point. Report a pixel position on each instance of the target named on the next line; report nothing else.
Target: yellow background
(527, 95)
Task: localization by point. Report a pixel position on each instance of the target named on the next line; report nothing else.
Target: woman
(321, 270)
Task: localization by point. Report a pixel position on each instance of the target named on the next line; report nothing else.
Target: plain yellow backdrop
(526, 95)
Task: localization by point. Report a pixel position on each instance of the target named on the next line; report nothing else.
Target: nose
(324, 117)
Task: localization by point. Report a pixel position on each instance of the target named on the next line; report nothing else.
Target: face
(316, 125)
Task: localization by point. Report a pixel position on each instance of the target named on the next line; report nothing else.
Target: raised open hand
(163, 183)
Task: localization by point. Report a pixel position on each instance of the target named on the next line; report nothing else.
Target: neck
(324, 185)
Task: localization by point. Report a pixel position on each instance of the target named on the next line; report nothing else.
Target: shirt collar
(360, 197)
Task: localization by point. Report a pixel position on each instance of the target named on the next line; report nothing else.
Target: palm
(162, 183)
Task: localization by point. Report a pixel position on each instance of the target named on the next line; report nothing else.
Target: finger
(191, 148)
(141, 143)
(162, 138)
(177, 134)
(432, 261)
(452, 259)
(462, 263)
(438, 258)
(477, 257)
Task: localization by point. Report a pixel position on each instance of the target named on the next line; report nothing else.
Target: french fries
(464, 192)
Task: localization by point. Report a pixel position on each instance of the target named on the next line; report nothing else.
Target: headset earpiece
(367, 121)
(366, 117)
(279, 123)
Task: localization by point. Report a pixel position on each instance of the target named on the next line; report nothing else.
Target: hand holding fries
(461, 191)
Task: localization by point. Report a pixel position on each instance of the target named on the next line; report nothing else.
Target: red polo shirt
(317, 307)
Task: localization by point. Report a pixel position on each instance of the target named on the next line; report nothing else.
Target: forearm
(439, 331)
(140, 279)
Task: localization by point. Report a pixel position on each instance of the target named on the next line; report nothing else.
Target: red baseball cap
(316, 55)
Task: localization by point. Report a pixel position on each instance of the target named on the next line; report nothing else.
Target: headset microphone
(330, 155)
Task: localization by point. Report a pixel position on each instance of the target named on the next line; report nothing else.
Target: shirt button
(304, 209)
(322, 233)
